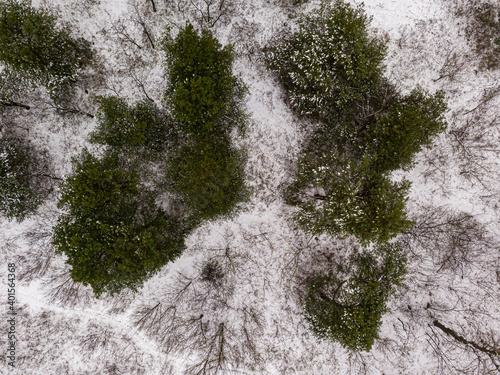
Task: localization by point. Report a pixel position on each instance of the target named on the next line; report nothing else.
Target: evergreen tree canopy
(32, 44)
(354, 200)
(330, 63)
(209, 176)
(332, 71)
(112, 232)
(203, 93)
(347, 306)
(410, 123)
(141, 126)
(350, 163)
(205, 171)
(22, 185)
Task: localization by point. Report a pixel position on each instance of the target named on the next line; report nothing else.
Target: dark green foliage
(353, 200)
(410, 123)
(112, 232)
(203, 93)
(330, 63)
(22, 178)
(32, 44)
(205, 171)
(347, 307)
(209, 176)
(387, 128)
(332, 71)
(142, 126)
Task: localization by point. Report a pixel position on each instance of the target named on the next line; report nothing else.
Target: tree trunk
(463, 340)
(11, 103)
(320, 197)
(154, 5)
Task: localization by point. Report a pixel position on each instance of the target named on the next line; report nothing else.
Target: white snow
(268, 248)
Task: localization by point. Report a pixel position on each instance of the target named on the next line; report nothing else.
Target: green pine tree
(203, 93)
(332, 71)
(409, 123)
(330, 63)
(204, 170)
(347, 306)
(111, 232)
(33, 45)
(353, 201)
(209, 176)
(142, 127)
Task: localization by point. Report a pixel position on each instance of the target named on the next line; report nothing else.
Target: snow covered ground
(63, 329)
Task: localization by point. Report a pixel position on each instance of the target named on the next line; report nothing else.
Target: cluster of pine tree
(332, 71)
(114, 232)
(347, 305)
(117, 229)
(34, 50)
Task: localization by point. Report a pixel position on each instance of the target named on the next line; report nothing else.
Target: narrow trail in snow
(121, 324)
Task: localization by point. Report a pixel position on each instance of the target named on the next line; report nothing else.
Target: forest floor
(254, 316)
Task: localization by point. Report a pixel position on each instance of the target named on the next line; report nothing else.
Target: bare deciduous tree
(207, 12)
(463, 355)
(451, 239)
(197, 315)
(453, 65)
(62, 289)
(474, 142)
